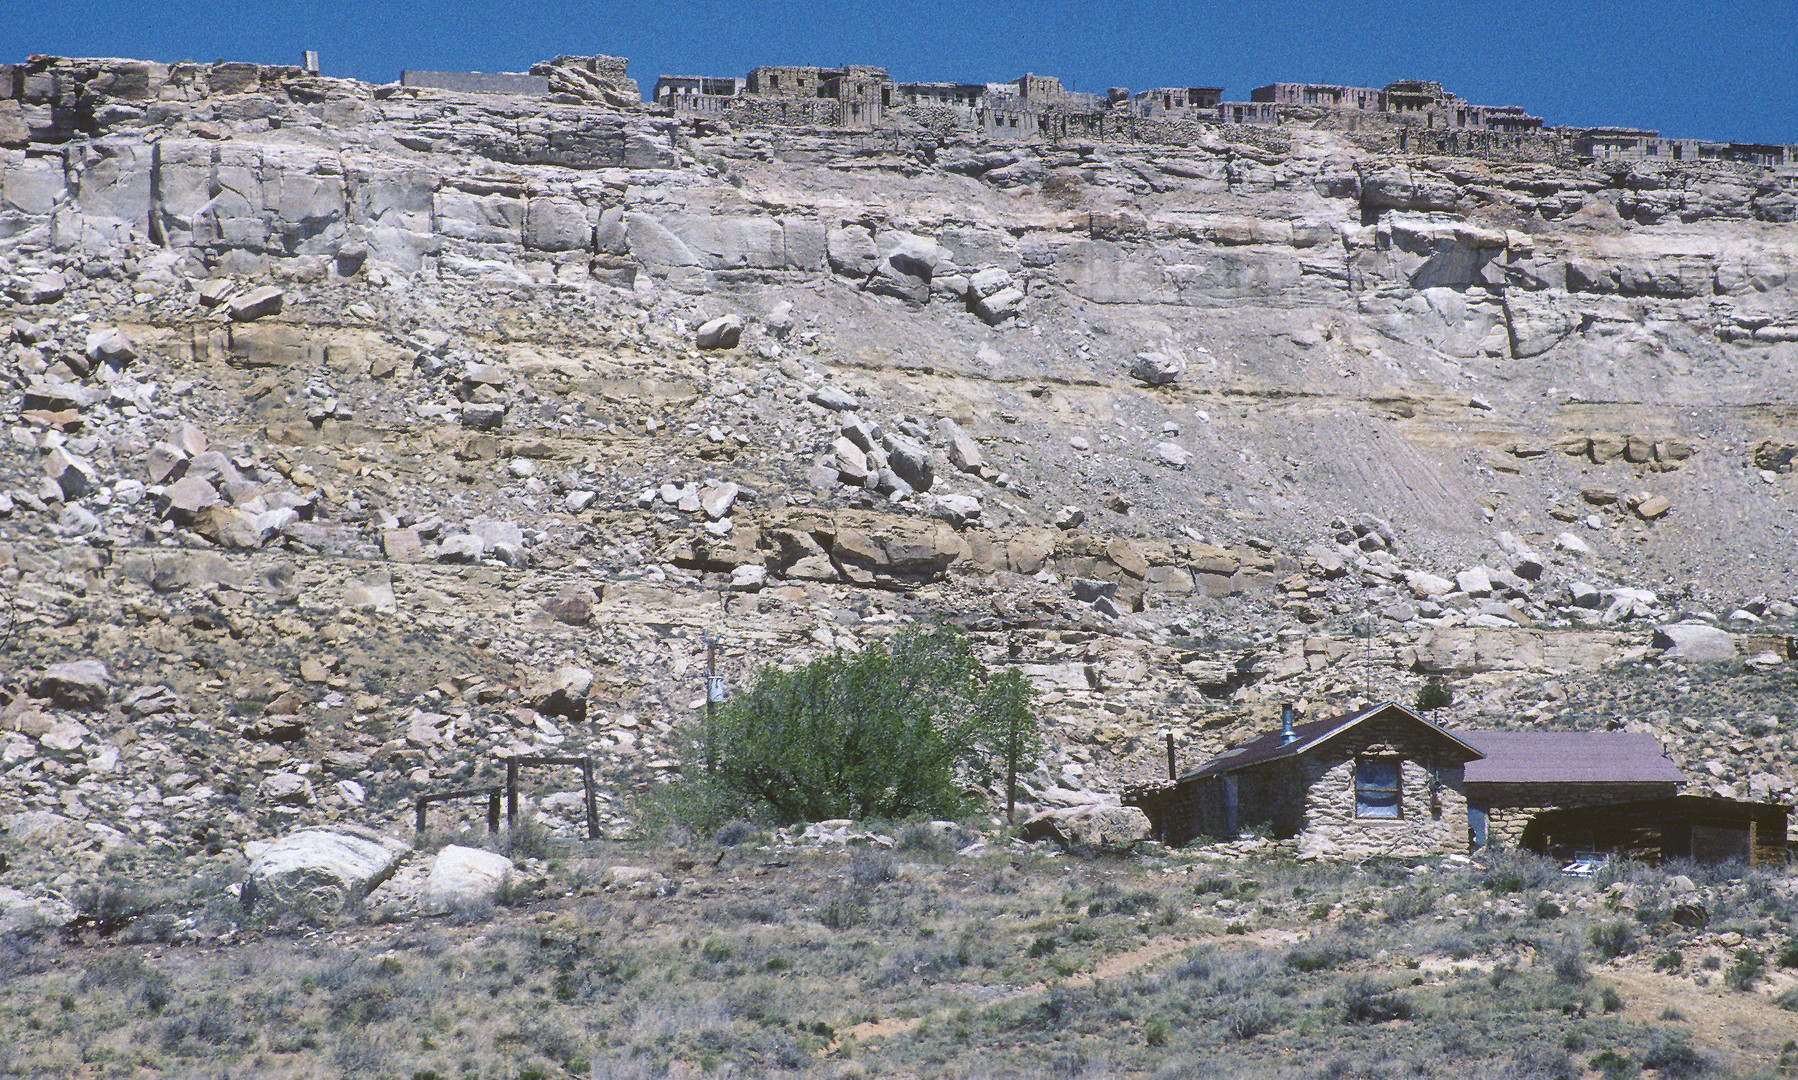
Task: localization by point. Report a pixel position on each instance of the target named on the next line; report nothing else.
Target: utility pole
(714, 693)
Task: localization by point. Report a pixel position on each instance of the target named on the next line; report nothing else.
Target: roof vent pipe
(1287, 735)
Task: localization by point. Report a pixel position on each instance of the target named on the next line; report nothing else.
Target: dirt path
(1744, 1030)
(1109, 968)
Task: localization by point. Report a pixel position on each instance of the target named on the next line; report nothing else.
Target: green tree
(889, 732)
(1435, 694)
(1013, 736)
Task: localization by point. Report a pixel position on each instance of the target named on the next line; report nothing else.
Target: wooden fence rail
(490, 793)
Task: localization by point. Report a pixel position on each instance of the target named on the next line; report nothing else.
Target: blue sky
(1724, 70)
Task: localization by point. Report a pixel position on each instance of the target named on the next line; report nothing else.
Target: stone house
(1378, 781)
(1386, 781)
(1520, 774)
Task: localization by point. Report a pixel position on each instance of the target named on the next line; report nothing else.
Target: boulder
(1000, 306)
(964, 452)
(38, 288)
(23, 915)
(110, 346)
(320, 870)
(1694, 641)
(985, 283)
(228, 527)
(720, 333)
(1582, 594)
(851, 251)
(1157, 369)
(1090, 828)
(833, 398)
(287, 789)
(564, 693)
(852, 461)
(1173, 454)
(717, 500)
(255, 304)
(1424, 585)
(464, 876)
(1474, 581)
(906, 269)
(42, 828)
(75, 476)
(483, 416)
(637, 881)
(910, 461)
(959, 509)
(77, 684)
(1568, 542)
(186, 497)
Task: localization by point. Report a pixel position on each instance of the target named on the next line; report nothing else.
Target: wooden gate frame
(491, 793)
(584, 763)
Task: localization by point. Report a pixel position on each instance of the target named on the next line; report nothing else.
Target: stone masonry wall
(1509, 807)
(1331, 827)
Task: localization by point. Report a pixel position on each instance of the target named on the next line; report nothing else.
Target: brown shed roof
(1272, 746)
(1569, 757)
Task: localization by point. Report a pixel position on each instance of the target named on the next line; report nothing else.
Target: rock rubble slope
(356, 436)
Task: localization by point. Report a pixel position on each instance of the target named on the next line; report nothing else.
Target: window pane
(1377, 804)
(1377, 789)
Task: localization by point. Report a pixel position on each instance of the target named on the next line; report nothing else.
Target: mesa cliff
(359, 435)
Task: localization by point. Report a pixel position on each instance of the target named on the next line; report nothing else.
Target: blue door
(1476, 825)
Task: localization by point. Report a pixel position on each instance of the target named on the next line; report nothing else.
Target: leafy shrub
(1787, 957)
(1613, 1066)
(1408, 902)
(1613, 939)
(1788, 1000)
(1670, 961)
(1364, 1002)
(1320, 955)
(1670, 1053)
(1542, 1063)
(1570, 964)
(886, 733)
(1548, 909)
(844, 911)
(1247, 1019)
(924, 838)
(528, 839)
(1746, 971)
(733, 833)
(1513, 871)
(1156, 1032)
(1610, 1000)
(871, 866)
(110, 907)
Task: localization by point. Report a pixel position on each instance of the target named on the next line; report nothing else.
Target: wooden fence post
(511, 793)
(592, 800)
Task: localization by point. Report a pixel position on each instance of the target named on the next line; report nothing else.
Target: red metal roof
(1569, 757)
(1271, 747)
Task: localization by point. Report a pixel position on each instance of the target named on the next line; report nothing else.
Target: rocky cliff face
(351, 429)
